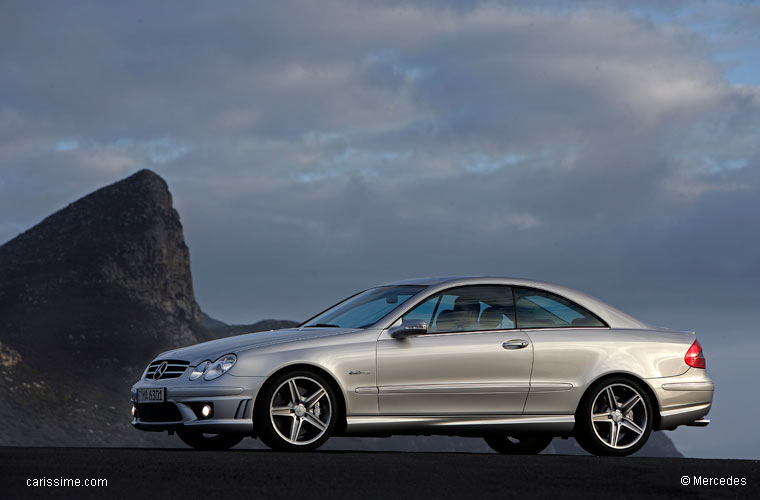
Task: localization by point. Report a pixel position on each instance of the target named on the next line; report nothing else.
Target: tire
(201, 441)
(616, 429)
(518, 445)
(297, 411)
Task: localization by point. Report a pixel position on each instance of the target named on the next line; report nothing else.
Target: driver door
(472, 360)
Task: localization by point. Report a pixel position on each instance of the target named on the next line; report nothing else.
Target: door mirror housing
(409, 327)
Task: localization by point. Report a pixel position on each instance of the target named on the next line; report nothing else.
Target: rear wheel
(201, 441)
(518, 445)
(296, 411)
(614, 418)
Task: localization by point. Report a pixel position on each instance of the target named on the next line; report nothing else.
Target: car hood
(215, 348)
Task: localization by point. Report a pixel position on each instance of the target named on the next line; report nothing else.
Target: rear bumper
(231, 400)
(684, 400)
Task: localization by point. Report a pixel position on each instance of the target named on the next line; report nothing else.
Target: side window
(425, 310)
(467, 308)
(539, 309)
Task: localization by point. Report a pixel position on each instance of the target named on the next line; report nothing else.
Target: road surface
(155, 474)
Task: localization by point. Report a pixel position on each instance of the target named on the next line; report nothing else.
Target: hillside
(88, 296)
(106, 279)
(218, 329)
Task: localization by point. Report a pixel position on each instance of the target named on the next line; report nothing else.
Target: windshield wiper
(323, 325)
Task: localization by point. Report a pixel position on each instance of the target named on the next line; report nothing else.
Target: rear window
(540, 309)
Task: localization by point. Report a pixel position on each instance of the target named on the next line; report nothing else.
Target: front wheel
(296, 412)
(614, 418)
(201, 441)
(518, 445)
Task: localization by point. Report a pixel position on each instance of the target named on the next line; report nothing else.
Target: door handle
(515, 344)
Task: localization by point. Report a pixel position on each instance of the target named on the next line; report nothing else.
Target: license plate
(151, 395)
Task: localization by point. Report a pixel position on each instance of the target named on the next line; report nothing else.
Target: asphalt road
(254, 474)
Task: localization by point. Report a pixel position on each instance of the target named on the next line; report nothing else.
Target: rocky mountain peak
(107, 278)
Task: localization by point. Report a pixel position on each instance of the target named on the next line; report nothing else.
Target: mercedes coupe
(514, 361)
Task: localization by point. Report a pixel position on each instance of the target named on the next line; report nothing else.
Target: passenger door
(471, 361)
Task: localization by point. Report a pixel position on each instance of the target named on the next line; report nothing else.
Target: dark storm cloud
(519, 127)
(314, 148)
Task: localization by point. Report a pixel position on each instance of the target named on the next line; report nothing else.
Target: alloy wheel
(619, 416)
(300, 410)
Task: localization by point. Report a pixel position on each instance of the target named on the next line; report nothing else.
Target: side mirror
(409, 327)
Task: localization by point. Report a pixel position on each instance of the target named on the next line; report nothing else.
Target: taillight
(694, 356)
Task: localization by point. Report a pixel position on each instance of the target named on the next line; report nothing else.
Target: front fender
(351, 364)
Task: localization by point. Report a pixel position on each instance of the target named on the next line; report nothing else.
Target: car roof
(433, 280)
(439, 280)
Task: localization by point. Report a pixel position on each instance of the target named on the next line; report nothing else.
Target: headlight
(198, 370)
(219, 367)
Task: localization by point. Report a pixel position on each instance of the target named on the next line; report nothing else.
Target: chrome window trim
(426, 293)
(441, 334)
(540, 328)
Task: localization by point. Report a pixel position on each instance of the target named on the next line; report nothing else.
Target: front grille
(166, 368)
(158, 412)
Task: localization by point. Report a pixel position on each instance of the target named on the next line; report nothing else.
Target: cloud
(555, 115)
(488, 117)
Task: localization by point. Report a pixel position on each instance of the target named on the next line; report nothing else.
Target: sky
(315, 149)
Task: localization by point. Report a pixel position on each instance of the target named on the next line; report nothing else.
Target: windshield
(364, 309)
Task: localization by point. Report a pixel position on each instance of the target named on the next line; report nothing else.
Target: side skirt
(458, 425)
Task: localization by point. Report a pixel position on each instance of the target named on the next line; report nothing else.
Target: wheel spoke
(310, 418)
(630, 424)
(295, 429)
(615, 433)
(625, 410)
(611, 399)
(626, 407)
(295, 395)
(312, 400)
(282, 411)
(308, 405)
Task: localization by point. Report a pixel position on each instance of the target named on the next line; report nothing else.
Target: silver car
(517, 362)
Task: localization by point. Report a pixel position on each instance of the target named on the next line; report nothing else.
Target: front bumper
(230, 397)
(685, 399)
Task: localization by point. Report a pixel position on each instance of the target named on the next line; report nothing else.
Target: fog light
(206, 411)
(134, 411)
